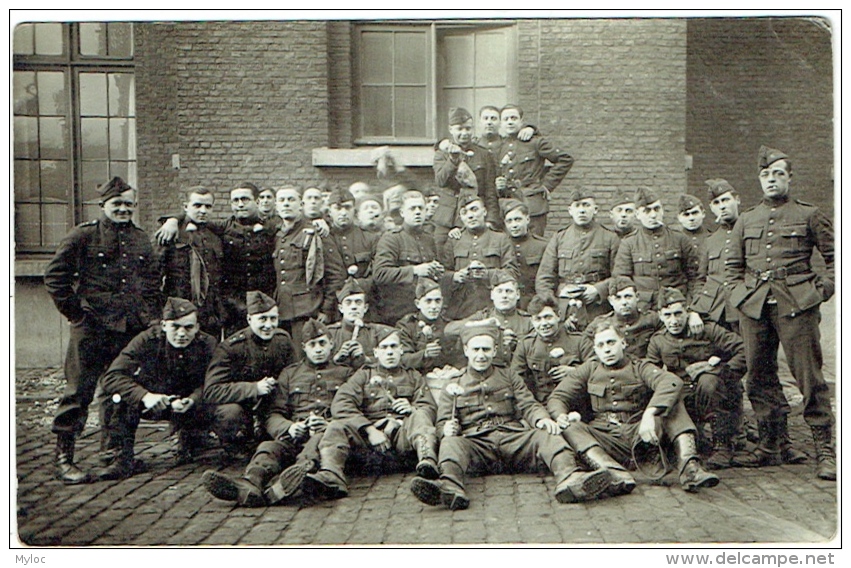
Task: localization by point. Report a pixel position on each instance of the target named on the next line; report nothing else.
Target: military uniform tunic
(343, 331)
(517, 321)
(697, 238)
(713, 300)
(536, 356)
(415, 332)
(528, 252)
(481, 162)
(637, 330)
(103, 279)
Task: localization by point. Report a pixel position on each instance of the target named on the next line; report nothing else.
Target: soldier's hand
(525, 133)
(316, 422)
(265, 386)
(695, 323)
(454, 233)
(647, 427)
(549, 426)
(432, 349)
(182, 405)
(377, 439)
(167, 232)
(589, 294)
(297, 430)
(321, 228)
(423, 270)
(461, 276)
(402, 406)
(436, 270)
(444, 145)
(560, 372)
(356, 350)
(451, 428)
(154, 401)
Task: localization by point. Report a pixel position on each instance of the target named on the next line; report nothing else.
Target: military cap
(114, 187)
(459, 115)
(468, 198)
(718, 187)
(623, 196)
(474, 329)
(668, 296)
(176, 308)
(312, 329)
(428, 191)
(509, 205)
(644, 196)
(538, 303)
(258, 303)
(350, 287)
(424, 286)
(501, 277)
(579, 194)
(687, 202)
(768, 156)
(382, 332)
(618, 283)
(339, 196)
(369, 197)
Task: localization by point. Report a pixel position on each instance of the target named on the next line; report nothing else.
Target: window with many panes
(74, 124)
(408, 76)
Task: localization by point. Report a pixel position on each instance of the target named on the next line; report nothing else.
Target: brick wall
(761, 81)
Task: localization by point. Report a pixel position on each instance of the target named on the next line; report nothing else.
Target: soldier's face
(413, 212)
(674, 317)
(725, 207)
(369, 215)
(462, 133)
(583, 211)
(517, 223)
(505, 296)
(609, 347)
(625, 302)
(318, 350)
(287, 203)
(389, 351)
(692, 219)
(775, 179)
(359, 189)
(545, 322)
(431, 304)
(312, 203)
(119, 209)
(182, 331)
(264, 325)
(342, 214)
(242, 203)
(474, 215)
(353, 307)
(623, 215)
(431, 206)
(651, 216)
(199, 208)
(511, 121)
(489, 121)
(480, 351)
(266, 201)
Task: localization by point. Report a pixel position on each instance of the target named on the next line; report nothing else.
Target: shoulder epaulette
(523, 313)
(236, 338)
(804, 203)
(91, 223)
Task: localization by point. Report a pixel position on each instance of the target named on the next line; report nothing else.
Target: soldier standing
(528, 248)
(622, 213)
(690, 216)
(778, 294)
(103, 279)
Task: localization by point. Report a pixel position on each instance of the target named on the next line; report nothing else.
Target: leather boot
(825, 452)
(246, 491)
(768, 451)
(330, 481)
(449, 490)
(66, 470)
(574, 486)
(692, 475)
(788, 452)
(122, 465)
(188, 445)
(426, 446)
(724, 451)
(289, 481)
(622, 480)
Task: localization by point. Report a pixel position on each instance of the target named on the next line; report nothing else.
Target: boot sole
(428, 470)
(618, 488)
(594, 486)
(319, 490)
(84, 479)
(454, 501)
(220, 486)
(427, 491)
(711, 481)
(288, 483)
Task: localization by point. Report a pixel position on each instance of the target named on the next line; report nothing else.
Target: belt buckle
(613, 418)
(781, 272)
(765, 275)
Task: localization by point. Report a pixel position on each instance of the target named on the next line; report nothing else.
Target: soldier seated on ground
(421, 332)
(243, 371)
(295, 419)
(383, 407)
(711, 364)
(632, 401)
(353, 338)
(548, 353)
(480, 422)
(158, 376)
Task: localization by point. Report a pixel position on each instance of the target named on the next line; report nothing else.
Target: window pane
(49, 39)
(120, 39)
(376, 57)
(410, 58)
(94, 132)
(26, 137)
(460, 98)
(122, 139)
(26, 180)
(93, 94)
(25, 93)
(51, 94)
(54, 224)
(458, 60)
(55, 181)
(53, 138)
(91, 211)
(92, 39)
(410, 112)
(24, 39)
(496, 96)
(122, 94)
(27, 225)
(93, 175)
(491, 58)
(377, 110)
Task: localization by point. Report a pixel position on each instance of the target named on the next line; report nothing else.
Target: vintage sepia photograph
(424, 279)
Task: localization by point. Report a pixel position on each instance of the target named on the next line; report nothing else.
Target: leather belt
(778, 273)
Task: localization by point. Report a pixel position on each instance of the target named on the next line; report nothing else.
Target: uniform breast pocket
(597, 389)
(671, 361)
(752, 238)
(405, 391)
(493, 258)
(565, 261)
(501, 401)
(461, 252)
(716, 264)
(102, 254)
(673, 261)
(599, 260)
(643, 265)
(794, 238)
(298, 396)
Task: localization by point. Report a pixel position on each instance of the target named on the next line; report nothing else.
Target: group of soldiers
(438, 330)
